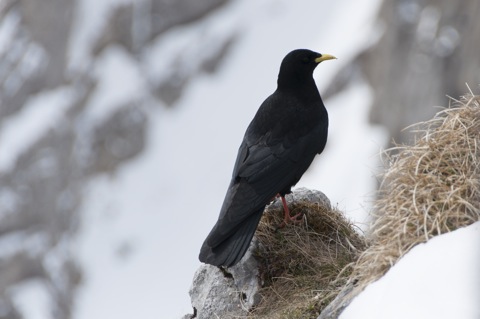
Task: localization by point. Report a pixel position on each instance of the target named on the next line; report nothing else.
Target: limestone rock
(303, 194)
(218, 292)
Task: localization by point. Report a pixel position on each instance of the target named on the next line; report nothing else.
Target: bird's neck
(298, 85)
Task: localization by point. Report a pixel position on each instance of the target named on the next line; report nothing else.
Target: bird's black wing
(277, 150)
(274, 154)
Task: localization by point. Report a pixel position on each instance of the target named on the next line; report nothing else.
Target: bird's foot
(296, 219)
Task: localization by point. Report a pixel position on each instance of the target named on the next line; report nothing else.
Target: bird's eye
(305, 59)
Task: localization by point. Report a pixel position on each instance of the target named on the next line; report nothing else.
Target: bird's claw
(296, 219)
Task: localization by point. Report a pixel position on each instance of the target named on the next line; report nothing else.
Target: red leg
(285, 209)
(287, 219)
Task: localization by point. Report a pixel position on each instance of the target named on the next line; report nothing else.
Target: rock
(226, 292)
(302, 194)
(341, 301)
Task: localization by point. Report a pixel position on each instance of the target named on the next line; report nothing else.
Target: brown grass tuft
(301, 263)
(430, 188)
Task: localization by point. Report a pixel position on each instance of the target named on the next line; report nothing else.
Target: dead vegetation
(428, 189)
(301, 263)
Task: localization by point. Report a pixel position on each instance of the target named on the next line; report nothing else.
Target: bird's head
(298, 65)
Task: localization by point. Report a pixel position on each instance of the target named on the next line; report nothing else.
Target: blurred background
(120, 121)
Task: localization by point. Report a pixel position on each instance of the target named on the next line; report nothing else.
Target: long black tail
(232, 249)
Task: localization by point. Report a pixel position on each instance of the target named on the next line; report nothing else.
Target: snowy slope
(143, 227)
(436, 280)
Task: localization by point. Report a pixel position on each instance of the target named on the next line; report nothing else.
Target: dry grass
(430, 188)
(301, 263)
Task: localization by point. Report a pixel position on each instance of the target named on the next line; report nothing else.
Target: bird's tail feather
(232, 249)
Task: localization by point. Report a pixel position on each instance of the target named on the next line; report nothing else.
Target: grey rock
(302, 194)
(226, 293)
(343, 299)
(246, 277)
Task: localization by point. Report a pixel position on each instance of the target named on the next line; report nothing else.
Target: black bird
(289, 129)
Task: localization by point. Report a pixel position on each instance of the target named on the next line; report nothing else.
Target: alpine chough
(288, 130)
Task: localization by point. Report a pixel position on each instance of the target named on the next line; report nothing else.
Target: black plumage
(289, 129)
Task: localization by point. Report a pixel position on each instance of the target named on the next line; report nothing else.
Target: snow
(32, 299)
(33, 244)
(435, 280)
(8, 26)
(40, 113)
(181, 49)
(119, 83)
(10, 202)
(92, 16)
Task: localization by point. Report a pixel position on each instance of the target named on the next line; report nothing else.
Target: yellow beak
(324, 57)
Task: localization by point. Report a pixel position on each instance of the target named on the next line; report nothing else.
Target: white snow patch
(9, 202)
(183, 48)
(91, 18)
(34, 244)
(119, 82)
(436, 280)
(9, 25)
(32, 299)
(180, 47)
(40, 113)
